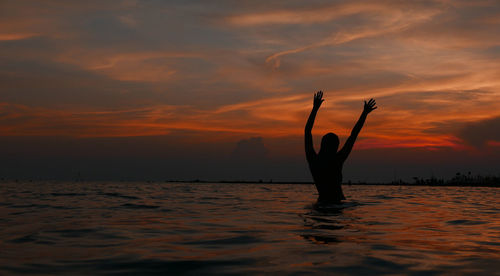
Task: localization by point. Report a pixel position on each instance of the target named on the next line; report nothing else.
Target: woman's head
(329, 144)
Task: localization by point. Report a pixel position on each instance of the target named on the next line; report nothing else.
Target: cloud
(248, 69)
(19, 36)
(480, 132)
(251, 148)
(378, 20)
(304, 15)
(185, 155)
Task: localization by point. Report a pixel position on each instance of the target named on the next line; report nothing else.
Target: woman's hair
(329, 144)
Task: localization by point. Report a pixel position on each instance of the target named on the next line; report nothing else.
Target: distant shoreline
(492, 182)
(451, 184)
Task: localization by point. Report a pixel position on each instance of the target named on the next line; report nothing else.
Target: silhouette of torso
(326, 166)
(327, 174)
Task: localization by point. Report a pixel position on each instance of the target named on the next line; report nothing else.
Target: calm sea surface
(180, 228)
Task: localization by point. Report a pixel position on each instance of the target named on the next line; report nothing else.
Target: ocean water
(191, 228)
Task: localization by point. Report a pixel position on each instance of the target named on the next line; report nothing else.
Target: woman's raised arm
(318, 100)
(346, 149)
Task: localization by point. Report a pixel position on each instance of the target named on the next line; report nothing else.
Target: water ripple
(181, 228)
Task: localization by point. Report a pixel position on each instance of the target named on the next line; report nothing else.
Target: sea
(140, 228)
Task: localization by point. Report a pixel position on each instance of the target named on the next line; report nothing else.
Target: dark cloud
(404, 163)
(175, 157)
(480, 132)
(252, 148)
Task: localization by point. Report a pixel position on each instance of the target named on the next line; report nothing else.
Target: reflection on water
(150, 228)
(324, 218)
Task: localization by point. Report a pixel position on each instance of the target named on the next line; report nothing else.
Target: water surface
(158, 228)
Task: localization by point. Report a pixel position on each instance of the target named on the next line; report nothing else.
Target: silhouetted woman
(326, 166)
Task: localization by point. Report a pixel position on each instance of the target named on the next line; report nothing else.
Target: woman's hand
(369, 106)
(318, 99)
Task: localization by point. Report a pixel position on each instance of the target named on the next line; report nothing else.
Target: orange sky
(232, 70)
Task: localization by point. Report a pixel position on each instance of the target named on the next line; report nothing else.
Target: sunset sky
(222, 89)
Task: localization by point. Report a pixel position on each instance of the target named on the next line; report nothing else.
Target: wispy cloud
(305, 15)
(384, 22)
(19, 36)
